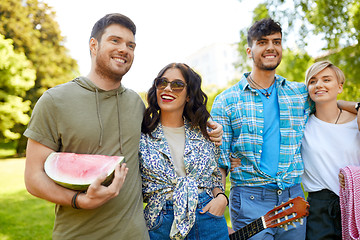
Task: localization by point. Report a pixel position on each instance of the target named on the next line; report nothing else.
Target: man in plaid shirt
(263, 118)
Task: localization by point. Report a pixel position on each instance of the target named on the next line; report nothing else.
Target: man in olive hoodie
(95, 114)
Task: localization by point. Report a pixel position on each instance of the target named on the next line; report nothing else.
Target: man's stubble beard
(262, 66)
(104, 70)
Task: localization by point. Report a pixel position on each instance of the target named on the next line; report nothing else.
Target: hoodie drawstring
(99, 117)
(100, 122)
(118, 111)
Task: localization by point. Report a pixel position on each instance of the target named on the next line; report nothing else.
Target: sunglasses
(176, 85)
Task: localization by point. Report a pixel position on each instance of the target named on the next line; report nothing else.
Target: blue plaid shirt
(239, 110)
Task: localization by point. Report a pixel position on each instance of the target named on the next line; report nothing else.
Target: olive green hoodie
(79, 117)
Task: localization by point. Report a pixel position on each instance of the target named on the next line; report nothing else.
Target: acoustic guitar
(281, 216)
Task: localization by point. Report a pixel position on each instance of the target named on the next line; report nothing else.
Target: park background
(45, 43)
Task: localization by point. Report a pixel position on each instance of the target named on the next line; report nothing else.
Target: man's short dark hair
(112, 18)
(262, 28)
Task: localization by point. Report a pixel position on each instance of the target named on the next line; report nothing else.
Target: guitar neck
(249, 230)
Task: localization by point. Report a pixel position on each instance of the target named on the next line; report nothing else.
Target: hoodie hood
(87, 84)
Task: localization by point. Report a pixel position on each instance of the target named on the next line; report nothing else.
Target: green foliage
(7, 149)
(336, 20)
(339, 23)
(16, 77)
(211, 92)
(32, 27)
(294, 65)
(350, 92)
(348, 60)
(260, 12)
(243, 64)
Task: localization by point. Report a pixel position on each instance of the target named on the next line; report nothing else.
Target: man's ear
(248, 52)
(93, 45)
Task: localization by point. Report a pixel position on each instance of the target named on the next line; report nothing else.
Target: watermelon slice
(78, 171)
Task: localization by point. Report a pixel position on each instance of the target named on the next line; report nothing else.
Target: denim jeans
(207, 226)
(250, 203)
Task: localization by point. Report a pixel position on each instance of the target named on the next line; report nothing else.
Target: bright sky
(167, 30)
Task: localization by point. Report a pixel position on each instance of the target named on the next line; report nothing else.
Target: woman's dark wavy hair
(195, 109)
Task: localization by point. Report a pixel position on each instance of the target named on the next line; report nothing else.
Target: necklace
(266, 92)
(338, 116)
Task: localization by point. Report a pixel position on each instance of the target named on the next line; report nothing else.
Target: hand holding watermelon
(78, 171)
(100, 176)
(97, 194)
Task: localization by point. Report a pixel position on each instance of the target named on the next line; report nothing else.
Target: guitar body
(281, 216)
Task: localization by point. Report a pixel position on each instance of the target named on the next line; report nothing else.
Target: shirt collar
(244, 84)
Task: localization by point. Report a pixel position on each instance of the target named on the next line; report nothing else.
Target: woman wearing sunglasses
(181, 181)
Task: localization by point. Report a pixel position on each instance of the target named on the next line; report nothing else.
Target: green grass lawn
(22, 216)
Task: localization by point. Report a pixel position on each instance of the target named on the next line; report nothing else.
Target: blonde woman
(331, 141)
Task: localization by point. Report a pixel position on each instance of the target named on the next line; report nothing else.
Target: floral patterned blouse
(160, 180)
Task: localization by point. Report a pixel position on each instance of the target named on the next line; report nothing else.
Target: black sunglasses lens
(161, 83)
(177, 85)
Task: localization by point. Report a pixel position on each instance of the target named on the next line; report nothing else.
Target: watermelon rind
(78, 185)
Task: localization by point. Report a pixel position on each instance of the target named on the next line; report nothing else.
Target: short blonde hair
(321, 65)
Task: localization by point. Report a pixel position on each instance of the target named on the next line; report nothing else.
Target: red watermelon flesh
(78, 171)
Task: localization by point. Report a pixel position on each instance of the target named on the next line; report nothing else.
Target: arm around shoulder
(353, 107)
(348, 106)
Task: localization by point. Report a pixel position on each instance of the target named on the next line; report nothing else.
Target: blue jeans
(207, 226)
(250, 203)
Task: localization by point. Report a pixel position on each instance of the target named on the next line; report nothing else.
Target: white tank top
(326, 148)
